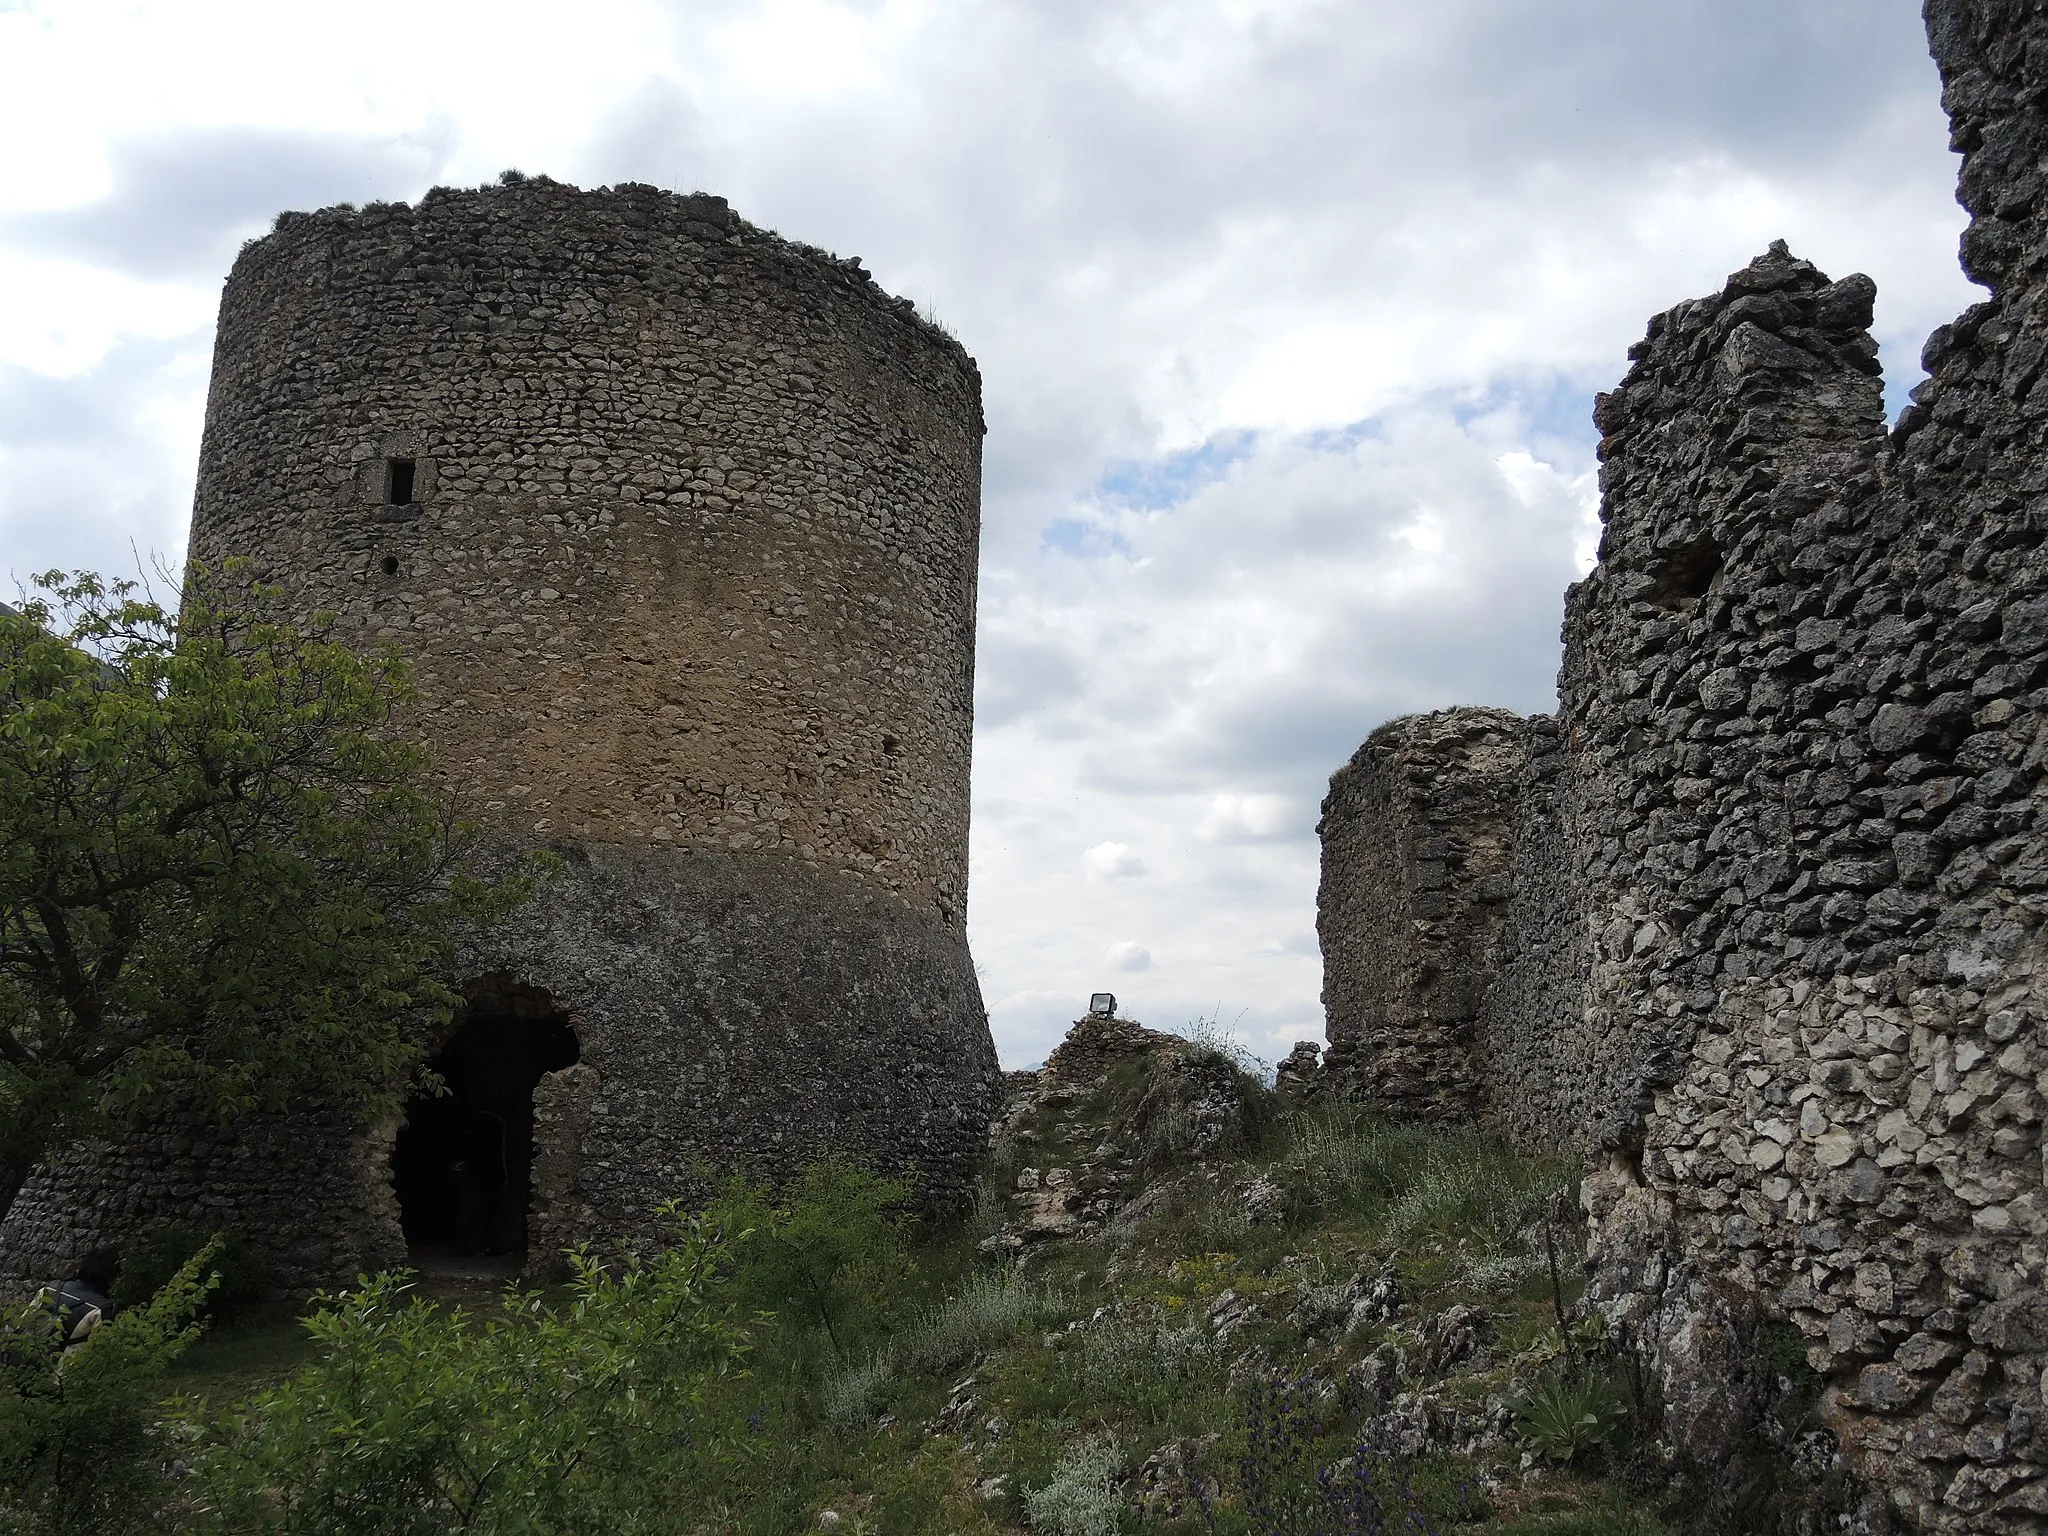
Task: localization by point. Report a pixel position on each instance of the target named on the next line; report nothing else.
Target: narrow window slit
(398, 481)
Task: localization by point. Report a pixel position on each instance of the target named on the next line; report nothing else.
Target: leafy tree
(225, 881)
(549, 1418)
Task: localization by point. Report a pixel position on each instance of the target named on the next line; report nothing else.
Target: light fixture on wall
(1102, 1005)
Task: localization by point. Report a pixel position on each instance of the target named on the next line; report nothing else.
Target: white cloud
(1112, 861)
(1289, 314)
(1247, 818)
(1129, 956)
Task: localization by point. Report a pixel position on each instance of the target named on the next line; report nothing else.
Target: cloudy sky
(1290, 313)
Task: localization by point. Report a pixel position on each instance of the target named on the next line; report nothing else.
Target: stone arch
(463, 1159)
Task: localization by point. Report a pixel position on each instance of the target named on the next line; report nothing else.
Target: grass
(245, 1352)
(1116, 1383)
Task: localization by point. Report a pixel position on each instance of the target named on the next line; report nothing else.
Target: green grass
(1096, 1355)
(253, 1349)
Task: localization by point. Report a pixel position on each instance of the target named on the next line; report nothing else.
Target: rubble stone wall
(1541, 1076)
(1775, 954)
(1415, 844)
(686, 568)
(315, 1192)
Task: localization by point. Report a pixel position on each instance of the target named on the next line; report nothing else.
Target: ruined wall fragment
(1788, 992)
(1542, 1075)
(1415, 846)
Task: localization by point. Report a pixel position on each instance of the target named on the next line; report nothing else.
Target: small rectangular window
(398, 482)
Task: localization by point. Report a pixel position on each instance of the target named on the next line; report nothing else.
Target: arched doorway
(463, 1162)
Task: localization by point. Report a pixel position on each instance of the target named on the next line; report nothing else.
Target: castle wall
(1774, 956)
(1415, 842)
(687, 575)
(1541, 1073)
(314, 1193)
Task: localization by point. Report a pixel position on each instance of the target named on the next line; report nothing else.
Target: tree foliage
(225, 882)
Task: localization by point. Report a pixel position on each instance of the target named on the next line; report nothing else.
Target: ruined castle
(678, 522)
(1756, 920)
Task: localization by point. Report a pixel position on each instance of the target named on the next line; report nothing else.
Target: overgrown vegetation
(239, 1278)
(1347, 1326)
(82, 1445)
(557, 1415)
(224, 884)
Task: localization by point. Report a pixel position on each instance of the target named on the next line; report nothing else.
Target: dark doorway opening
(463, 1163)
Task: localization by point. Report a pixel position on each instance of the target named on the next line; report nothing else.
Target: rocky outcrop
(1091, 1142)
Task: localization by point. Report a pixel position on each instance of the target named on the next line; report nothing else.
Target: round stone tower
(678, 522)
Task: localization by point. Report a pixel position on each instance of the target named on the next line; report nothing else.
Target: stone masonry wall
(316, 1192)
(1789, 991)
(687, 574)
(1546, 1084)
(691, 554)
(1415, 840)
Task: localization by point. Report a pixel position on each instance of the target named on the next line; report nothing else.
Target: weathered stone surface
(1415, 839)
(1774, 952)
(687, 571)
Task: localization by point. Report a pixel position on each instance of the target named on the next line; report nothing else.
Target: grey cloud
(181, 202)
(656, 136)
(1111, 243)
(1618, 78)
(1015, 677)
(84, 480)
(1022, 116)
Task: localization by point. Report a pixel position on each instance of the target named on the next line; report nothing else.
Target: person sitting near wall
(79, 1305)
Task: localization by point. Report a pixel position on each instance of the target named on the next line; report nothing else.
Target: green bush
(241, 1275)
(81, 1449)
(555, 1418)
(988, 1309)
(830, 1250)
(852, 1398)
(1424, 1181)
(1566, 1419)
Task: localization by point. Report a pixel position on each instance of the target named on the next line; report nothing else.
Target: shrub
(829, 1250)
(1467, 1187)
(1563, 1419)
(80, 1448)
(546, 1418)
(1120, 1360)
(990, 1308)
(1080, 1499)
(853, 1397)
(1208, 1036)
(1422, 1181)
(240, 1274)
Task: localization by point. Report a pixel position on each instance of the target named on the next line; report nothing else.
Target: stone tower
(678, 521)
